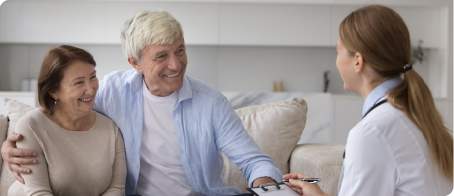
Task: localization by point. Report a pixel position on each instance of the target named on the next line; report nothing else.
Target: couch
(275, 127)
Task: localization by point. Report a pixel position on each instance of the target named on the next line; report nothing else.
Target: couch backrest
(6, 177)
(3, 131)
(276, 128)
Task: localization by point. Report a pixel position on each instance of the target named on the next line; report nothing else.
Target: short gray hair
(144, 28)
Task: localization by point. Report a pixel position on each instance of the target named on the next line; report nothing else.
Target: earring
(55, 102)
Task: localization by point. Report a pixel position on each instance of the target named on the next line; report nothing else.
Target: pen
(310, 180)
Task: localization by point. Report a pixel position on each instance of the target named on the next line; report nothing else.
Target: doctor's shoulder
(387, 116)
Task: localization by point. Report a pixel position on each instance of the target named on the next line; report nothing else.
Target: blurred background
(240, 47)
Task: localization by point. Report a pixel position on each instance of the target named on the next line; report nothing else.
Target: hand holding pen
(310, 180)
(308, 186)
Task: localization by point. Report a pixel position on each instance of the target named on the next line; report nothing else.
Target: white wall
(228, 68)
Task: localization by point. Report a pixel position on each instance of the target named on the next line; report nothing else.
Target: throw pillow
(276, 128)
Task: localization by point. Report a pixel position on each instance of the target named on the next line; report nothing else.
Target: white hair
(144, 28)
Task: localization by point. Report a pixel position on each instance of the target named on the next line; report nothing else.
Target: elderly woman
(80, 152)
(401, 146)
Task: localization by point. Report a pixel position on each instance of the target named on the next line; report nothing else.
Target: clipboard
(273, 189)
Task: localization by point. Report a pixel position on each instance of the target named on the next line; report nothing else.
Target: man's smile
(173, 75)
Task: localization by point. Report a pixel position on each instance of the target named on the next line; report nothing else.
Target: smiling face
(77, 90)
(163, 67)
(345, 63)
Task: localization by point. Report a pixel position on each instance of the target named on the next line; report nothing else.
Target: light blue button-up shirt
(205, 125)
(379, 92)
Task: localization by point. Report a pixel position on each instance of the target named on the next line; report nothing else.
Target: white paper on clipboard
(274, 191)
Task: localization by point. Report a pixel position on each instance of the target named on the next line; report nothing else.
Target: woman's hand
(13, 156)
(303, 188)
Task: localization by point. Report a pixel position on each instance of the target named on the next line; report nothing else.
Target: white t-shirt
(387, 154)
(161, 172)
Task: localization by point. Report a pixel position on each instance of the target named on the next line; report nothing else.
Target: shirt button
(137, 166)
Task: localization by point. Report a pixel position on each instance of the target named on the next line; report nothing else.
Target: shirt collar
(136, 81)
(379, 92)
(186, 90)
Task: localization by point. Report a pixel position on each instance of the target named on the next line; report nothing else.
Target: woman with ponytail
(401, 146)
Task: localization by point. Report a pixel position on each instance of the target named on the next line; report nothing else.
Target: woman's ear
(359, 62)
(135, 64)
(53, 94)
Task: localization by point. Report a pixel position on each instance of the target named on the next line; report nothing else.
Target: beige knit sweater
(71, 163)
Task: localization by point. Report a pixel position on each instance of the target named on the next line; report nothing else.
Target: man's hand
(13, 156)
(262, 180)
(303, 188)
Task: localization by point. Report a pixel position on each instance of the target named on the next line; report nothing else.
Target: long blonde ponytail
(381, 36)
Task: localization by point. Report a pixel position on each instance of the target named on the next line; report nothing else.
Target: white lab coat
(386, 154)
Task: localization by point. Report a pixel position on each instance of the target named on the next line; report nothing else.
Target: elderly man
(174, 126)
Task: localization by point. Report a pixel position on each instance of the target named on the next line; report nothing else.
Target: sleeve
(369, 165)
(117, 185)
(37, 182)
(98, 105)
(233, 140)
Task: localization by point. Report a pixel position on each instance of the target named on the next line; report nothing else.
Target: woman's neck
(73, 122)
(369, 86)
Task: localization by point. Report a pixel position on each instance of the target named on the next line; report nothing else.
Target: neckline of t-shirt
(55, 124)
(155, 98)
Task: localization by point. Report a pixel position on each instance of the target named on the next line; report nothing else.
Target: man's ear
(135, 64)
(359, 62)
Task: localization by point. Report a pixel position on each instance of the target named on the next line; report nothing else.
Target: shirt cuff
(266, 171)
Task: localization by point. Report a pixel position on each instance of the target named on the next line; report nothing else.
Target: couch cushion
(15, 110)
(276, 128)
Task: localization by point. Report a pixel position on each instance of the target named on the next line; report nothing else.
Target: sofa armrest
(322, 161)
(3, 132)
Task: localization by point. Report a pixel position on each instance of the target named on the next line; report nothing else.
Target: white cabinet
(97, 22)
(62, 22)
(207, 22)
(11, 22)
(52, 22)
(397, 2)
(423, 23)
(199, 20)
(337, 16)
(268, 24)
(283, 1)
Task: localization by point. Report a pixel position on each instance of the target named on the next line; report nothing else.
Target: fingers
(292, 186)
(307, 188)
(21, 161)
(299, 191)
(14, 137)
(295, 176)
(19, 169)
(297, 183)
(18, 177)
(14, 157)
(9, 149)
(18, 152)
